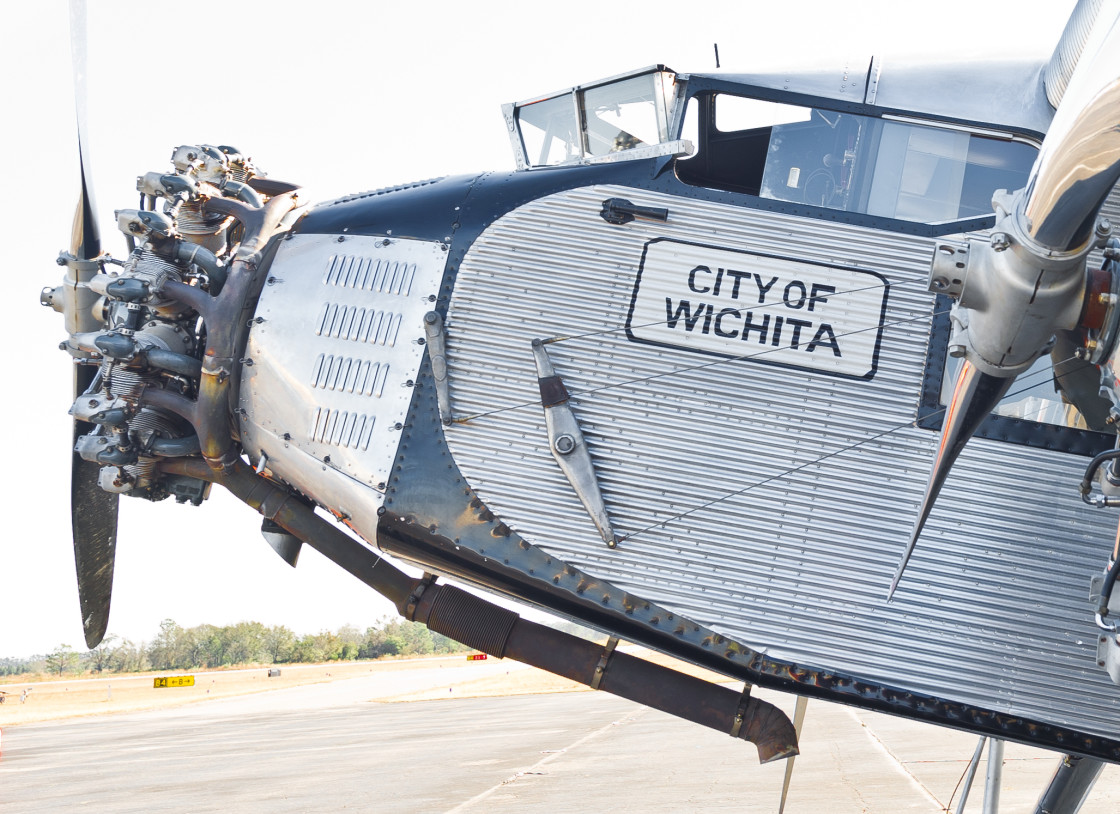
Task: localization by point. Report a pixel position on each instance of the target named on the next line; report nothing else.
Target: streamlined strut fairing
(680, 376)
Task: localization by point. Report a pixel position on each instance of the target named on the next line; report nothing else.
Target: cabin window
(1034, 412)
(734, 113)
(1034, 396)
(843, 161)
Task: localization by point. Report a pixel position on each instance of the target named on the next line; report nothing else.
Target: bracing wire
(850, 447)
(752, 307)
(747, 357)
(691, 368)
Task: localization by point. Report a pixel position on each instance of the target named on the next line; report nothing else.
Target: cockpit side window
(733, 137)
(901, 170)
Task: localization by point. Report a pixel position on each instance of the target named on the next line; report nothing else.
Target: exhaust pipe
(502, 633)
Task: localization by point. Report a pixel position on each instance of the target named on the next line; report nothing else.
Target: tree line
(245, 643)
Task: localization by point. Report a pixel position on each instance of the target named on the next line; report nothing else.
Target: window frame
(710, 136)
(1020, 431)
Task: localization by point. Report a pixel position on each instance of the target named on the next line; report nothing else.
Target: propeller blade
(85, 239)
(975, 395)
(798, 721)
(93, 511)
(93, 519)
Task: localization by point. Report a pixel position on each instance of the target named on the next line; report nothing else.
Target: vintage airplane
(680, 376)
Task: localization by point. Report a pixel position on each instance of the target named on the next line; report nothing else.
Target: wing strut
(798, 723)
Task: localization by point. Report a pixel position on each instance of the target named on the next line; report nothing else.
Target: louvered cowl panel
(334, 348)
(767, 501)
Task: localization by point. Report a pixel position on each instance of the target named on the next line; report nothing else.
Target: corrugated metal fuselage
(762, 494)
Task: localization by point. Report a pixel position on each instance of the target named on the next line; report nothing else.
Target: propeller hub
(1013, 295)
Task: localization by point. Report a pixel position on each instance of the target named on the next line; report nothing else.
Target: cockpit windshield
(602, 121)
(622, 115)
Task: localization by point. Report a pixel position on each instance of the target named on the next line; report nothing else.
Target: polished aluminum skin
(767, 501)
(332, 358)
(1080, 159)
(1059, 70)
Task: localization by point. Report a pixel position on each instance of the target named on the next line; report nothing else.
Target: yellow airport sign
(174, 681)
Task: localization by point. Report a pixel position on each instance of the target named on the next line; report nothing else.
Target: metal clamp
(601, 667)
(741, 711)
(418, 591)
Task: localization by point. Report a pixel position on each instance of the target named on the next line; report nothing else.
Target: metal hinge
(567, 444)
(436, 339)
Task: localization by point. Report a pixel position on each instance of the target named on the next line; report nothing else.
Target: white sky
(340, 97)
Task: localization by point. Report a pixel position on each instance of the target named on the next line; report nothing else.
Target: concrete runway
(325, 748)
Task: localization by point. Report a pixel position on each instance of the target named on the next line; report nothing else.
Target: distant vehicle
(681, 377)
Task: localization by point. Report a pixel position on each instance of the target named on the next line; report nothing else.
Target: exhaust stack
(502, 633)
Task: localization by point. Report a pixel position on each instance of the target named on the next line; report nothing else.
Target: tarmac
(327, 748)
